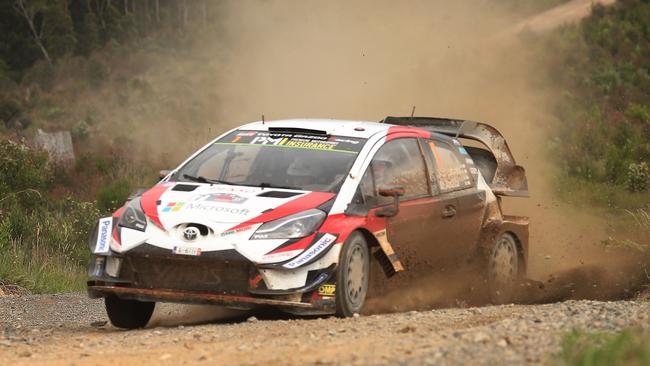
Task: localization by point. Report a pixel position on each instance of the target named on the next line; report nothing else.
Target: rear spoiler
(509, 178)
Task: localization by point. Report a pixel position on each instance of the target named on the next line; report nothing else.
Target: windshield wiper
(201, 179)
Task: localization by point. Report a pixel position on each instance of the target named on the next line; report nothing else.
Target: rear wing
(509, 178)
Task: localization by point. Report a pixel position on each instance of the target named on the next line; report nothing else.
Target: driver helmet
(301, 173)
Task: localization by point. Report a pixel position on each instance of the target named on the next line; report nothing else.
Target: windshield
(276, 160)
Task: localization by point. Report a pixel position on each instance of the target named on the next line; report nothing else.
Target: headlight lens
(291, 227)
(133, 217)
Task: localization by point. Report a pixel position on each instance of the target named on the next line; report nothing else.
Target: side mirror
(395, 192)
(163, 173)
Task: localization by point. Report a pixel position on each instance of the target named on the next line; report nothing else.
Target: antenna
(262, 118)
(412, 113)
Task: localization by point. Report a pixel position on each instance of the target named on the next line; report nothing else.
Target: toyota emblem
(190, 233)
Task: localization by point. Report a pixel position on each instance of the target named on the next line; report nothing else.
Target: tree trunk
(186, 14)
(157, 10)
(204, 13)
(20, 6)
(126, 7)
(146, 18)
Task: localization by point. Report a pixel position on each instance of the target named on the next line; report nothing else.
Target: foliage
(42, 239)
(113, 196)
(637, 177)
(21, 170)
(630, 347)
(59, 37)
(603, 66)
(79, 27)
(97, 73)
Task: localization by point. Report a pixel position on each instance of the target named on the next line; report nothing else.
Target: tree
(58, 30)
(88, 33)
(28, 10)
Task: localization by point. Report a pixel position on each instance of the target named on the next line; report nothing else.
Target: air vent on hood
(278, 194)
(184, 187)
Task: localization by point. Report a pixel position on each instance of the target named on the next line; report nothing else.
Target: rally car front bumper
(223, 278)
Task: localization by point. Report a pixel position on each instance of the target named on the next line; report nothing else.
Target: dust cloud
(365, 60)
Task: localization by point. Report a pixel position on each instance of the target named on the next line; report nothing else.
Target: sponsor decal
(473, 170)
(456, 142)
(216, 209)
(173, 207)
(463, 151)
(221, 197)
(324, 242)
(327, 290)
(300, 141)
(237, 230)
(187, 251)
(469, 161)
(208, 207)
(278, 257)
(104, 235)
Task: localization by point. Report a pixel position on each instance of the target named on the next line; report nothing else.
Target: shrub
(97, 73)
(21, 170)
(637, 177)
(43, 241)
(111, 197)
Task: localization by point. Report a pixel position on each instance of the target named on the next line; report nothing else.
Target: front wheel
(128, 314)
(504, 269)
(352, 276)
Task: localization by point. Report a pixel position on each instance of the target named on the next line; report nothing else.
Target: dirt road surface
(71, 330)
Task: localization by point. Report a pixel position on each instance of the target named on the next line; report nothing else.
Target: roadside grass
(45, 250)
(630, 347)
(581, 192)
(38, 271)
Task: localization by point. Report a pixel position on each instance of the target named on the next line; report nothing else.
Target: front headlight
(291, 227)
(133, 217)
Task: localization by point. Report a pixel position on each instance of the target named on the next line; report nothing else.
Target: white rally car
(293, 213)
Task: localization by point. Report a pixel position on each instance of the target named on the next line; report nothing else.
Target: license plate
(187, 251)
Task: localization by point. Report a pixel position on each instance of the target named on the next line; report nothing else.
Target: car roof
(361, 129)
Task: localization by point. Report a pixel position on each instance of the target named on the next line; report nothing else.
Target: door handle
(449, 211)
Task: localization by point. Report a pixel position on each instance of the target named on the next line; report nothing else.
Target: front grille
(227, 273)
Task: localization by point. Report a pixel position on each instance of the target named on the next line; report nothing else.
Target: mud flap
(394, 265)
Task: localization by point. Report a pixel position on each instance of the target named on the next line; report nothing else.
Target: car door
(451, 169)
(424, 215)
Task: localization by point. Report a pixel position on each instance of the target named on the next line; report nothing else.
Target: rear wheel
(352, 276)
(504, 269)
(128, 314)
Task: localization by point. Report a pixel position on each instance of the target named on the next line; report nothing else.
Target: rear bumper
(96, 290)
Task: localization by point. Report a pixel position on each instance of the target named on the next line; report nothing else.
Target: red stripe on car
(149, 202)
(302, 203)
(396, 132)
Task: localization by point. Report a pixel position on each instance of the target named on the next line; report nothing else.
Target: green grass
(630, 347)
(581, 192)
(39, 271)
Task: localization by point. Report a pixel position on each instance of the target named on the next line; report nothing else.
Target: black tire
(128, 314)
(504, 269)
(352, 276)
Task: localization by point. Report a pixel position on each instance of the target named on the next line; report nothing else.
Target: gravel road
(71, 329)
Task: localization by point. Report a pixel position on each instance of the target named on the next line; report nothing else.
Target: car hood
(169, 204)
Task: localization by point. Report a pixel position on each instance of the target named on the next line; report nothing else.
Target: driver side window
(398, 163)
